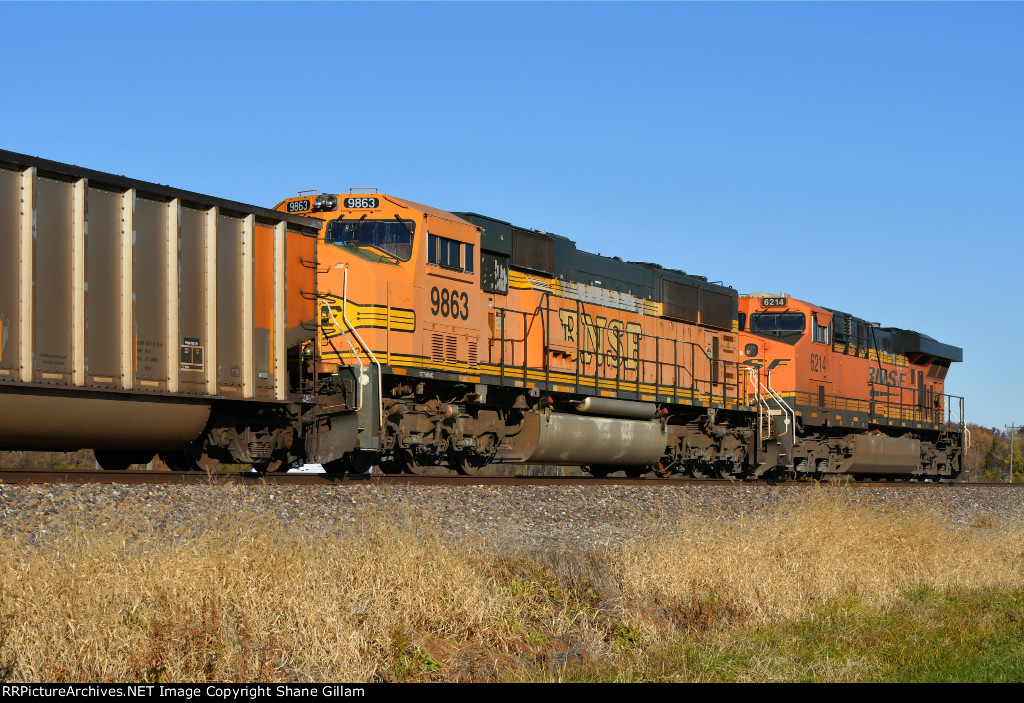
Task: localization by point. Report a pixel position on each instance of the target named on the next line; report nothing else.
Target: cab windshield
(391, 237)
(786, 326)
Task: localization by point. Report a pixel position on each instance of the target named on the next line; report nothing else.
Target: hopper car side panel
(139, 305)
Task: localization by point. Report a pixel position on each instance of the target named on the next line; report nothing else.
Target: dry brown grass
(389, 599)
(820, 546)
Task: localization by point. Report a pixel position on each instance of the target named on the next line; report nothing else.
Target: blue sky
(868, 157)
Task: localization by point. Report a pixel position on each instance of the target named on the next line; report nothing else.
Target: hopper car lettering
(358, 330)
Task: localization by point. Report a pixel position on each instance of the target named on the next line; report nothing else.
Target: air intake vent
(472, 352)
(451, 345)
(679, 301)
(533, 251)
(437, 347)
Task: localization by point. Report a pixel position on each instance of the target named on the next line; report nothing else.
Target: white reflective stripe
(127, 287)
(247, 280)
(78, 224)
(171, 341)
(210, 276)
(26, 250)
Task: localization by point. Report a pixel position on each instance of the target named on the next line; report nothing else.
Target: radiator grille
(716, 309)
(681, 301)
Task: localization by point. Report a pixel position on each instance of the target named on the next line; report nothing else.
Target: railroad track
(79, 476)
(26, 476)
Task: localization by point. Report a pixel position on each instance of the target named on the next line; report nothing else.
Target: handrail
(755, 381)
(369, 352)
(334, 321)
(621, 375)
(779, 400)
(782, 404)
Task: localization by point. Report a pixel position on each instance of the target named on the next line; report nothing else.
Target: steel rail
(74, 476)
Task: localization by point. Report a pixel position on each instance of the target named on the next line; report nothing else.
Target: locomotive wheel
(121, 459)
(702, 469)
(360, 463)
(468, 464)
(409, 462)
(391, 466)
(663, 469)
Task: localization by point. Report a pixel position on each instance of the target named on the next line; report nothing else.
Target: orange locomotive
(463, 340)
(853, 397)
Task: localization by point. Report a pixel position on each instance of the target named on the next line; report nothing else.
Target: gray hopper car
(137, 318)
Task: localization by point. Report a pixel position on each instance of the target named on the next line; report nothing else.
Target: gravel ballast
(507, 517)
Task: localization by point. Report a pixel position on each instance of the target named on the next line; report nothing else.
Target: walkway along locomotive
(362, 329)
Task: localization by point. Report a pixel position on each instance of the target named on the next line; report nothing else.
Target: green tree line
(988, 457)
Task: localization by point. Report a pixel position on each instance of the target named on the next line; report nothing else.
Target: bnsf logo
(886, 376)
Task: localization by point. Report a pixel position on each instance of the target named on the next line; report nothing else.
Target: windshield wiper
(402, 222)
(388, 254)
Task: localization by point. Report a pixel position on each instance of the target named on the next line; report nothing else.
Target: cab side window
(450, 253)
(820, 332)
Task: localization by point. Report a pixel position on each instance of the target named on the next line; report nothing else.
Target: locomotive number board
(773, 302)
(361, 202)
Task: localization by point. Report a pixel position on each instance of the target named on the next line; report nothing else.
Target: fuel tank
(564, 438)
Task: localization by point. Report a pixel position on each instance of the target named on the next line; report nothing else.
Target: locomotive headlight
(318, 204)
(331, 202)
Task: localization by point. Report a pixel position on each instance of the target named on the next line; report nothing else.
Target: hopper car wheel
(190, 458)
(120, 459)
(271, 466)
(335, 468)
(362, 463)
(408, 460)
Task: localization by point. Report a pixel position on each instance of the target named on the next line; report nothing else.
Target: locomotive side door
(820, 360)
(448, 295)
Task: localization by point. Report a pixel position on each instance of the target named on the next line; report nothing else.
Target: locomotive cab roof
(914, 345)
